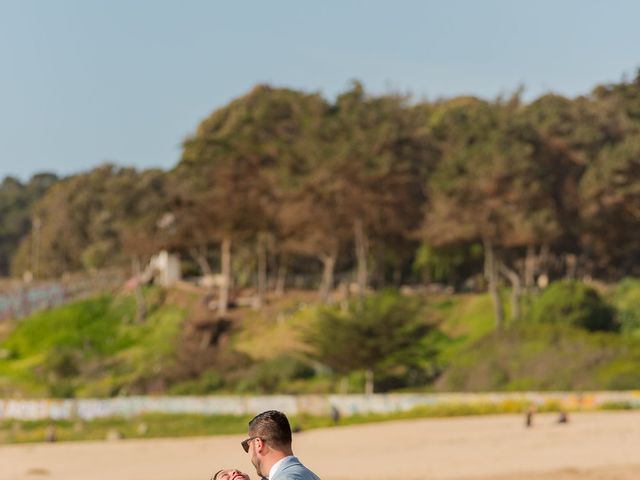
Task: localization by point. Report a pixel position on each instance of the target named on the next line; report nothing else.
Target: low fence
(20, 300)
(23, 301)
(346, 405)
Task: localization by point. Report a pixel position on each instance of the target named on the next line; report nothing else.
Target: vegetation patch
(92, 347)
(188, 425)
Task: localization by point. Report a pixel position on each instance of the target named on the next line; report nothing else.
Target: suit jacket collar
(285, 462)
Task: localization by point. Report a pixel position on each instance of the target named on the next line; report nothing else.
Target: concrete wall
(315, 404)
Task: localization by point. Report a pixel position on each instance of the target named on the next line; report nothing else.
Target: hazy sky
(88, 81)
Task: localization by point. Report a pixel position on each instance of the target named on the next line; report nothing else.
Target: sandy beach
(593, 446)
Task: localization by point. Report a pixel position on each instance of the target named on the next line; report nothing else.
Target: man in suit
(269, 448)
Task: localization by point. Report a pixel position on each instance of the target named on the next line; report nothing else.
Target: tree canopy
(356, 187)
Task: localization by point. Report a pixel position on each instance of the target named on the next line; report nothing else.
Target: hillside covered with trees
(394, 191)
(529, 209)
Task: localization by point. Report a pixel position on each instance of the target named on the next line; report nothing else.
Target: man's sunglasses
(245, 443)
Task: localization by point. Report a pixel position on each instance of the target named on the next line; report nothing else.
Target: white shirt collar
(275, 466)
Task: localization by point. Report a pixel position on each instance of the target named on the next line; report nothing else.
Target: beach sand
(593, 446)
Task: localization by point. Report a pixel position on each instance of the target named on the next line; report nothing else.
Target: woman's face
(230, 474)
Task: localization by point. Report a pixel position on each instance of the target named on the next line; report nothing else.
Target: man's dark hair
(273, 427)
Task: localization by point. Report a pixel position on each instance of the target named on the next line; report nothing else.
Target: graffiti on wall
(347, 405)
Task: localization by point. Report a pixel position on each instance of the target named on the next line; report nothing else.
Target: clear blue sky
(88, 81)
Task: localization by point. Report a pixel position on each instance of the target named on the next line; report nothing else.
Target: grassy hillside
(95, 348)
(90, 348)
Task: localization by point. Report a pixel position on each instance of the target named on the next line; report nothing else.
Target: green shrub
(619, 406)
(626, 300)
(62, 362)
(274, 375)
(386, 333)
(88, 325)
(208, 383)
(62, 389)
(621, 374)
(90, 347)
(575, 304)
(545, 357)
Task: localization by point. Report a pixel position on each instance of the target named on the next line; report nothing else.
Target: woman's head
(230, 474)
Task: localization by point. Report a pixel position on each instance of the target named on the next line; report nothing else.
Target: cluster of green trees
(16, 202)
(384, 335)
(85, 220)
(375, 185)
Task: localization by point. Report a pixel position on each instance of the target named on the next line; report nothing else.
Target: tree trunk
(571, 262)
(543, 262)
(200, 257)
(368, 381)
(397, 275)
(205, 340)
(225, 270)
(328, 262)
(426, 276)
(35, 262)
(262, 269)
(530, 265)
(141, 305)
(344, 385)
(491, 274)
(362, 247)
(516, 291)
(281, 276)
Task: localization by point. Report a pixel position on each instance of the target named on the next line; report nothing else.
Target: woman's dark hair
(215, 475)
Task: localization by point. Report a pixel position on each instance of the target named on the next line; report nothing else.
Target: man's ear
(260, 445)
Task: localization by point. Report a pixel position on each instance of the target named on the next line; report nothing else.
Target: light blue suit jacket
(292, 469)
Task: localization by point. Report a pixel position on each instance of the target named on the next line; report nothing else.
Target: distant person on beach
(563, 417)
(528, 416)
(50, 434)
(335, 414)
(269, 448)
(230, 474)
